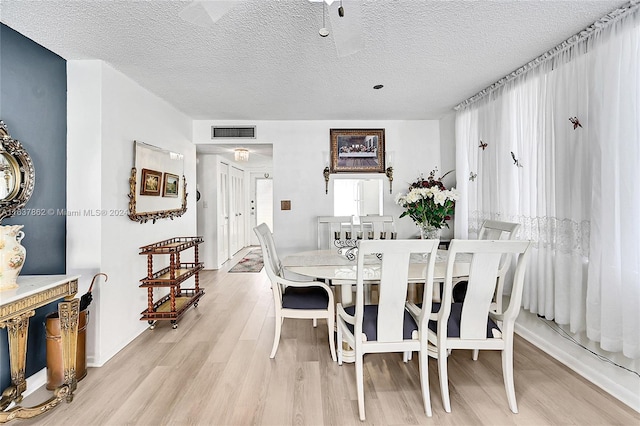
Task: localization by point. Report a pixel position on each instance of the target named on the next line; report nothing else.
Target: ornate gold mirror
(157, 186)
(17, 175)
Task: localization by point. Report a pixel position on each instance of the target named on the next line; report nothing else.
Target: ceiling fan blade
(347, 30)
(205, 13)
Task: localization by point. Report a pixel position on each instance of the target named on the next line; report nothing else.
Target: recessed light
(378, 86)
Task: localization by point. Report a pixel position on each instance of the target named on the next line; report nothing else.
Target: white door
(236, 214)
(261, 204)
(223, 213)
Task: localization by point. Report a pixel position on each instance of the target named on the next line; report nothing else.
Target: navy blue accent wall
(33, 104)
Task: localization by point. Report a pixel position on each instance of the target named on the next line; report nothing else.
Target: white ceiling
(264, 60)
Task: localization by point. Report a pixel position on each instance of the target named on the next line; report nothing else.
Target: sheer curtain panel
(557, 149)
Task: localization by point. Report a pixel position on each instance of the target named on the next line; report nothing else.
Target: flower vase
(429, 232)
(12, 255)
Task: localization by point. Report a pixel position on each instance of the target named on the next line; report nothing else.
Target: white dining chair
(295, 299)
(387, 326)
(373, 226)
(496, 230)
(472, 324)
(331, 226)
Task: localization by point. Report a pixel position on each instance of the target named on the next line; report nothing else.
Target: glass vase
(429, 232)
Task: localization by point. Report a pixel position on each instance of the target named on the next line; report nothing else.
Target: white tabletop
(328, 264)
(32, 284)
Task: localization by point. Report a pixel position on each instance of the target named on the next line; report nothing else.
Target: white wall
(107, 111)
(298, 148)
(448, 158)
(207, 209)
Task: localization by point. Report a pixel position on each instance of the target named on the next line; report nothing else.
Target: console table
(16, 307)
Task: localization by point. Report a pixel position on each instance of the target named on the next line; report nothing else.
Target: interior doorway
(261, 202)
(229, 187)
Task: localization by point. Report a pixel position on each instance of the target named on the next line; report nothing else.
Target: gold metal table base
(14, 316)
(18, 412)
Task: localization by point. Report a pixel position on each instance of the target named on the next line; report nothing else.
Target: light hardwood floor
(214, 369)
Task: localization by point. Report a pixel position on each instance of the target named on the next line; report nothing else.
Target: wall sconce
(389, 173)
(389, 170)
(325, 172)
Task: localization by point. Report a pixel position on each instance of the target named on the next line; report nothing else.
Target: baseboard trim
(35, 382)
(601, 374)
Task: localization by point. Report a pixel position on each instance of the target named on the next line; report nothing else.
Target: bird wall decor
(516, 162)
(575, 122)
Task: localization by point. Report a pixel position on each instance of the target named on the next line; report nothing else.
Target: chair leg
(424, 380)
(360, 383)
(339, 340)
(444, 379)
(332, 343)
(276, 336)
(507, 374)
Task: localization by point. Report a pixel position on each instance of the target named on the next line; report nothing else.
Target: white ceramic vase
(12, 255)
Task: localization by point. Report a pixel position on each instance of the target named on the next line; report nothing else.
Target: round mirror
(17, 175)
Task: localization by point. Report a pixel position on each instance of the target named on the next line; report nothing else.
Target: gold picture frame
(150, 182)
(170, 185)
(357, 150)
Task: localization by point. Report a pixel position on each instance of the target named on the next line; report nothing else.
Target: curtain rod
(592, 29)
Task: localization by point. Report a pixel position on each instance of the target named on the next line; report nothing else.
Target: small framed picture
(170, 185)
(151, 182)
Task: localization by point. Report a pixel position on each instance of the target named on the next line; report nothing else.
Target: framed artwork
(170, 185)
(357, 150)
(151, 182)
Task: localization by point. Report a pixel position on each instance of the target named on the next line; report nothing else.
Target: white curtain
(562, 158)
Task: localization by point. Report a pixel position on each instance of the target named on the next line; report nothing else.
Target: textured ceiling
(264, 60)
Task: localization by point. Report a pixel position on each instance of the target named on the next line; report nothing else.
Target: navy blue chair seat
(312, 297)
(453, 325)
(370, 321)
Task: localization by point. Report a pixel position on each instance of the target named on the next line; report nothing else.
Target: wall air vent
(236, 132)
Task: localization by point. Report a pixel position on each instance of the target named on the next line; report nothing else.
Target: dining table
(340, 268)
